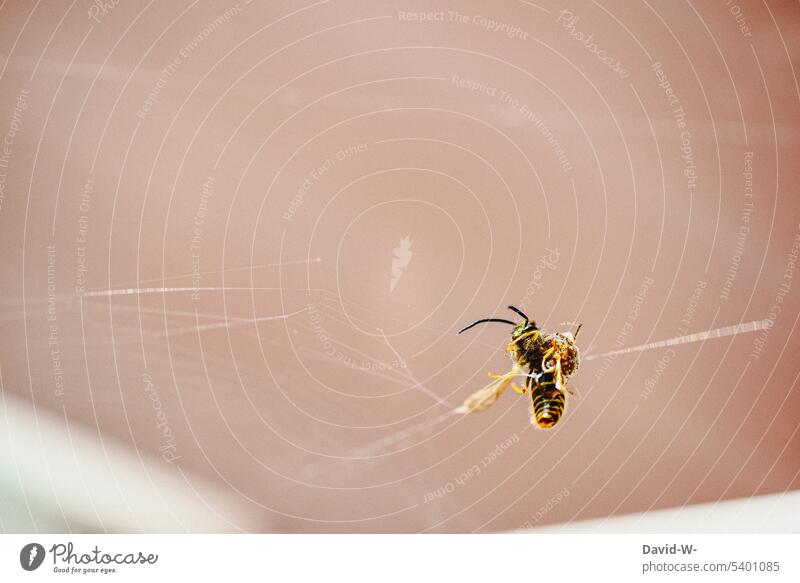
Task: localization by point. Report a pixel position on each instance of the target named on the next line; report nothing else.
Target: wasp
(545, 360)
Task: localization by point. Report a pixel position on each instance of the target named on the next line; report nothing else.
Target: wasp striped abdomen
(548, 402)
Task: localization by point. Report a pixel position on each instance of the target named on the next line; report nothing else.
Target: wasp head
(522, 329)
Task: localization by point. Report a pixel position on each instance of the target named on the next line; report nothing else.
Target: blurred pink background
(306, 201)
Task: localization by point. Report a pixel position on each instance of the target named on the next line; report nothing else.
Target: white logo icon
(402, 256)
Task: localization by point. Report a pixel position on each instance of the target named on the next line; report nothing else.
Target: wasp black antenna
(518, 312)
(577, 330)
(501, 320)
(523, 314)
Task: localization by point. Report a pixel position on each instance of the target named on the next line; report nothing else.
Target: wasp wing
(484, 398)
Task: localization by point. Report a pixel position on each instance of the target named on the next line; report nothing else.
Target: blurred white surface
(56, 477)
(773, 513)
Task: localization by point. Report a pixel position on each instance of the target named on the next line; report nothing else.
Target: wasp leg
(572, 391)
(562, 380)
(545, 358)
(558, 374)
(513, 385)
(526, 335)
